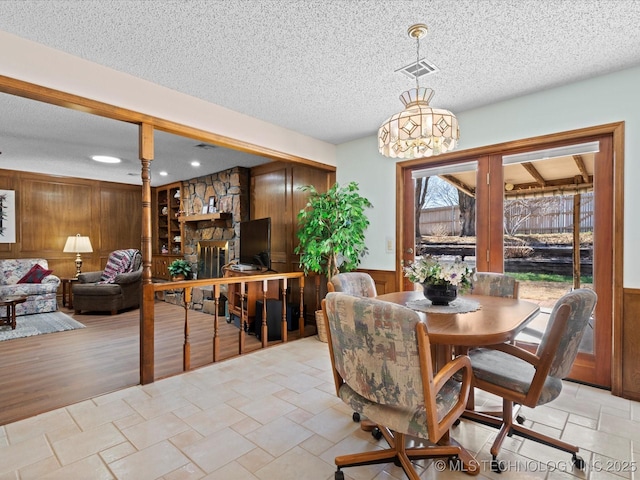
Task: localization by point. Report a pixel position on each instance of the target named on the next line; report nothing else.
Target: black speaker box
(274, 318)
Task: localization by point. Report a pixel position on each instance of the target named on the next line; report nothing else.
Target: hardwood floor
(45, 372)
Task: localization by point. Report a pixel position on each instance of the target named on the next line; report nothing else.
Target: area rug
(38, 324)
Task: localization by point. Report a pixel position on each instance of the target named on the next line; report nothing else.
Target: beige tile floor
(273, 414)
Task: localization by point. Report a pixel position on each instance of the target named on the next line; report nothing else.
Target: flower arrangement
(430, 270)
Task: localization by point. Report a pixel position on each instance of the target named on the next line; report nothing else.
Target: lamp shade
(77, 244)
(419, 130)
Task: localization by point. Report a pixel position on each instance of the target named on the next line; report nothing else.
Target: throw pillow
(35, 274)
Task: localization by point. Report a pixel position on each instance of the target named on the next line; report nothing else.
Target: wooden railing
(147, 312)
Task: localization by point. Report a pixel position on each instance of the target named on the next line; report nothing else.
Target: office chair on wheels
(524, 378)
(382, 368)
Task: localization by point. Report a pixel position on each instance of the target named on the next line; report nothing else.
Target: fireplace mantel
(203, 217)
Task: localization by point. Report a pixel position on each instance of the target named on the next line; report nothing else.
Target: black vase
(440, 294)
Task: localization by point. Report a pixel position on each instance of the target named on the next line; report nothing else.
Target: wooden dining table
(497, 320)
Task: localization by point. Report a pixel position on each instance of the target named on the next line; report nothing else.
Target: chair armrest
(51, 279)
(129, 277)
(517, 352)
(89, 277)
(461, 364)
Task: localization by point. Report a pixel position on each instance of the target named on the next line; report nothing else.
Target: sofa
(29, 277)
(117, 287)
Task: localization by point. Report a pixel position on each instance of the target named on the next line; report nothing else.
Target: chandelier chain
(417, 62)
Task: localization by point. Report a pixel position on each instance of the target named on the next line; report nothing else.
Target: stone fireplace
(206, 243)
(211, 257)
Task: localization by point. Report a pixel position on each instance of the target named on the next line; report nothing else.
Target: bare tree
(467, 205)
(441, 194)
(420, 202)
(519, 210)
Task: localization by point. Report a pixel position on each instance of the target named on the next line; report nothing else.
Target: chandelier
(419, 130)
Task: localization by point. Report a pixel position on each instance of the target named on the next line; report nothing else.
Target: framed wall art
(7, 216)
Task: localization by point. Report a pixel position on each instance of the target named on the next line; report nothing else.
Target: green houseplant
(331, 233)
(331, 230)
(179, 269)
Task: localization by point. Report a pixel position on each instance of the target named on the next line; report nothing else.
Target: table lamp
(78, 244)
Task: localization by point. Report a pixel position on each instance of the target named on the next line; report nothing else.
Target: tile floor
(273, 414)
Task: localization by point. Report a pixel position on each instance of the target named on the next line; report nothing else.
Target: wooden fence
(545, 215)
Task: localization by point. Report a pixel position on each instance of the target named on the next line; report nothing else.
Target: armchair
(524, 378)
(115, 288)
(382, 368)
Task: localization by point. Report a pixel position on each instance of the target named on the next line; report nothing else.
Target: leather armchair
(92, 293)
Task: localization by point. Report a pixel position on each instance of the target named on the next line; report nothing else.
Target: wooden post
(283, 329)
(264, 333)
(147, 308)
(577, 199)
(301, 319)
(186, 350)
(216, 338)
(244, 317)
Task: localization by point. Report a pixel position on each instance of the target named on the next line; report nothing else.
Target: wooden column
(577, 198)
(147, 307)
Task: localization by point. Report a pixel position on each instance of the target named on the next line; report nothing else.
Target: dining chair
(529, 379)
(360, 284)
(495, 285)
(382, 368)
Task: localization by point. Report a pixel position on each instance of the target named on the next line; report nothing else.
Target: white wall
(597, 101)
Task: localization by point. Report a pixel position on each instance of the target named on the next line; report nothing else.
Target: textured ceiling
(326, 68)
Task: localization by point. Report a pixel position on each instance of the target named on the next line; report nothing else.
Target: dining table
(493, 320)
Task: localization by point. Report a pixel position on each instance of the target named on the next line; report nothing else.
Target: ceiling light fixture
(419, 130)
(163, 173)
(195, 163)
(106, 159)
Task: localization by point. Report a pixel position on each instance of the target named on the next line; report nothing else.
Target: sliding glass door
(543, 215)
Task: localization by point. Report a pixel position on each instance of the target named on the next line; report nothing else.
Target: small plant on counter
(180, 267)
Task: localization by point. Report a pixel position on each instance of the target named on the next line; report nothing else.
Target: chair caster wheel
(495, 466)
(339, 475)
(456, 465)
(521, 419)
(578, 462)
(376, 433)
(355, 417)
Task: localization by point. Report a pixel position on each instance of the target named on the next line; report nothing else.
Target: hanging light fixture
(419, 130)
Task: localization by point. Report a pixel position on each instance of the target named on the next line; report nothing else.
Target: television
(255, 243)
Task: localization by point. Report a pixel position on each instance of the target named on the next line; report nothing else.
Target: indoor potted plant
(331, 232)
(179, 269)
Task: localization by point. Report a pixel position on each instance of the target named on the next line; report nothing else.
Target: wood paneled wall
(275, 193)
(631, 344)
(51, 208)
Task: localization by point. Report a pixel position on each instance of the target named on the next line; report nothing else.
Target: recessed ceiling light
(163, 173)
(106, 159)
(195, 163)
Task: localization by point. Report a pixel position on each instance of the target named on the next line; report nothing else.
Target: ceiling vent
(423, 68)
(206, 146)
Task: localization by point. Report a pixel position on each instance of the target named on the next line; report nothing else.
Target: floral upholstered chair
(495, 285)
(359, 284)
(524, 378)
(382, 368)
